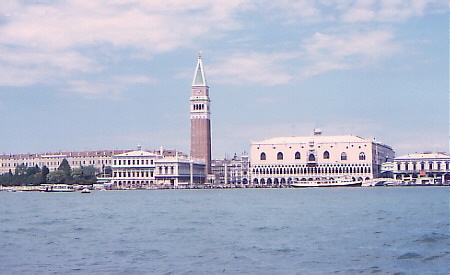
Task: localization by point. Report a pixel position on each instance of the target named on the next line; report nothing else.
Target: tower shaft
(200, 118)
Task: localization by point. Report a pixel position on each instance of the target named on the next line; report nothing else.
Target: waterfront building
(422, 168)
(281, 160)
(232, 172)
(179, 172)
(100, 159)
(200, 117)
(134, 170)
(142, 169)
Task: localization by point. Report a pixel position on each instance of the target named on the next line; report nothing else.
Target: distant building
(179, 172)
(279, 161)
(99, 159)
(151, 170)
(134, 170)
(200, 117)
(422, 168)
(231, 172)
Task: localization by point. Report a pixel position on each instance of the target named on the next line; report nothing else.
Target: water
(250, 231)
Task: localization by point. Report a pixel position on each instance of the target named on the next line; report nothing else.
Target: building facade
(200, 117)
(279, 161)
(232, 172)
(99, 159)
(134, 170)
(422, 168)
(179, 172)
(142, 169)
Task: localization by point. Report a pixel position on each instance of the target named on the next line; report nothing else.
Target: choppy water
(250, 231)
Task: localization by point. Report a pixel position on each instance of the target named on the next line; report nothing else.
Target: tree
(57, 176)
(44, 174)
(84, 174)
(65, 166)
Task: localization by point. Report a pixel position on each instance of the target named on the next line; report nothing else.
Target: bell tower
(200, 117)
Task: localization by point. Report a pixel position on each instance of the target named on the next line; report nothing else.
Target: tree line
(34, 175)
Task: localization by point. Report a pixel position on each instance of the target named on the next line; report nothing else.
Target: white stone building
(422, 168)
(279, 161)
(179, 172)
(134, 170)
(141, 169)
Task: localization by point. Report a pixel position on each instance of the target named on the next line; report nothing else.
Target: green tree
(44, 174)
(57, 176)
(84, 175)
(65, 166)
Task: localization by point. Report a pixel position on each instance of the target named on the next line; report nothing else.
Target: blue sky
(88, 75)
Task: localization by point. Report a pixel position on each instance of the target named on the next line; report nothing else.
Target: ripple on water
(432, 238)
(410, 256)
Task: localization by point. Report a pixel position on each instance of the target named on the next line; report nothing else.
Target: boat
(59, 188)
(85, 191)
(326, 182)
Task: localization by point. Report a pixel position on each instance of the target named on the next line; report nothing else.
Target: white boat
(85, 191)
(60, 188)
(326, 182)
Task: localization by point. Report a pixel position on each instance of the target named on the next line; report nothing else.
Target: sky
(114, 74)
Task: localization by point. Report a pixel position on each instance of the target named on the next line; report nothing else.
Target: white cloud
(47, 40)
(134, 79)
(252, 68)
(92, 90)
(388, 10)
(50, 41)
(327, 52)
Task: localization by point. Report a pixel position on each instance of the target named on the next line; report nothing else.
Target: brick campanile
(200, 117)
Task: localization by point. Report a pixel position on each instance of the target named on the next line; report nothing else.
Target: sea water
(251, 231)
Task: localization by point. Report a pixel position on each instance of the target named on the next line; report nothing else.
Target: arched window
(326, 155)
(297, 155)
(280, 156)
(263, 156)
(311, 157)
(344, 156)
(362, 156)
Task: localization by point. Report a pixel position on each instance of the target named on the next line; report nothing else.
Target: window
(262, 156)
(326, 155)
(312, 157)
(344, 156)
(297, 155)
(280, 156)
(362, 156)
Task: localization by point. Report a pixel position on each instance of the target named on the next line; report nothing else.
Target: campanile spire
(200, 117)
(199, 75)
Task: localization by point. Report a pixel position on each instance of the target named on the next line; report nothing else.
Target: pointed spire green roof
(199, 76)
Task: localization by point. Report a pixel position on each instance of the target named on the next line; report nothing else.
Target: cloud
(112, 88)
(327, 52)
(56, 41)
(52, 40)
(252, 68)
(92, 90)
(354, 11)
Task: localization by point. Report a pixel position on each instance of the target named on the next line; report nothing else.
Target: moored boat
(85, 191)
(60, 188)
(326, 182)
